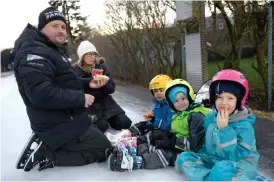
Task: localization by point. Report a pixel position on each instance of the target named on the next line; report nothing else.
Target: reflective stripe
(245, 145)
(151, 149)
(185, 143)
(163, 157)
(219, 145)
(187, 163)
(235, 178)
(188, 145)
(252, 160)
(148, 139)
(160, 158)
(135, 127)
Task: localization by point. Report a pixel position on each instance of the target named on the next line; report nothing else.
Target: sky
(15, 14)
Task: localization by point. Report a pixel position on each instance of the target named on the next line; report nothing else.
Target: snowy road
(15, 130)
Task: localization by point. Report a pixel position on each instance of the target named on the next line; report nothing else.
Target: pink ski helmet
(233, 76)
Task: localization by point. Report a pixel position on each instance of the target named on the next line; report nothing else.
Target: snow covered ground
(15, 130)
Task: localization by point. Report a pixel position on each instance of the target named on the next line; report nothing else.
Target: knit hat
(230, 87)
(48, 15)
(175, 90)
(85, 47)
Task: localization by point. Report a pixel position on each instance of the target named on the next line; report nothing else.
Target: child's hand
(222, 118)
(148, 115)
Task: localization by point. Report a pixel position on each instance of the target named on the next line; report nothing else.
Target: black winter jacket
(50, 88)
(104, 105)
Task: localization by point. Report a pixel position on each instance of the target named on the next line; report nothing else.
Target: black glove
(138, 129)
(156, 135)
(206, 103)
(150, 137)
(163, 139)
(150, 125)
(152, 119)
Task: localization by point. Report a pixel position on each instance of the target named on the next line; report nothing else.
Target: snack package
(101, 77)
(95, 72)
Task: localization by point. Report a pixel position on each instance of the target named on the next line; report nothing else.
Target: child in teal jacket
(229, 151)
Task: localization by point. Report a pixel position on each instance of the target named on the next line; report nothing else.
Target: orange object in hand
(148, 115)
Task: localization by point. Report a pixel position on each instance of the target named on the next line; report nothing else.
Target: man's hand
(222, 118)
(89, 99)
(94, 83)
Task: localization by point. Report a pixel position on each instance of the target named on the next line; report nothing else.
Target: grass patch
(266, 115)
(254, 79)
(257, 98)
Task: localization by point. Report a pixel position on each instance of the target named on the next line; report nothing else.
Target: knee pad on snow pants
(120, 121)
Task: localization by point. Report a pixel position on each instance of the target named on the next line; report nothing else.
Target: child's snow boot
(121, 160)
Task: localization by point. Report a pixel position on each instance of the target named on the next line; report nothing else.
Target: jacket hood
(242, 114)
(31, 35)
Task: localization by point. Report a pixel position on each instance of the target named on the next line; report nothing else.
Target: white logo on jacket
(64, 59)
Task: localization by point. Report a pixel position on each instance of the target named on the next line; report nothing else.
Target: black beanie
(48, 15)
(229, 87)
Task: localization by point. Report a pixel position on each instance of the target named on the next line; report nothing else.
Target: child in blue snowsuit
(161, 115)
(229, 151)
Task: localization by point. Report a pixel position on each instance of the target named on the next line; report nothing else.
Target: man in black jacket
(54, 97)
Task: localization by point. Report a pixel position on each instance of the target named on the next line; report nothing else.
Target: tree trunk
(203, 42)
(71, 49)
(232, 61)
(262, 68)
(260, 40)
